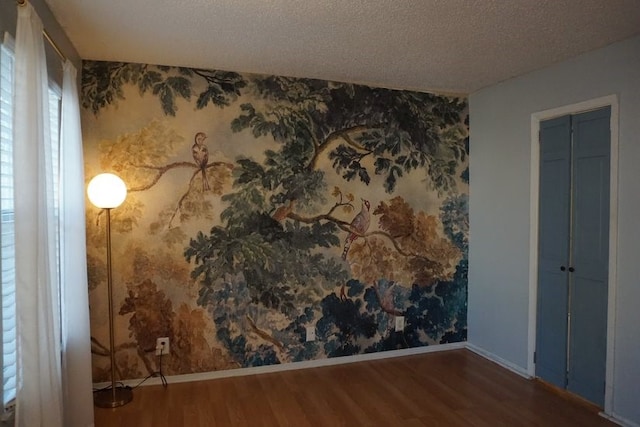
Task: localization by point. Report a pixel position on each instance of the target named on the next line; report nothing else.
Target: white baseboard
(292, 366)
(619, 420)
(499, 360)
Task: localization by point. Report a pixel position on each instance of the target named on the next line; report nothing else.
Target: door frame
(536, 118)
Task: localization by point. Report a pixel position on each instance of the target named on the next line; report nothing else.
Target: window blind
(55, 104)
(7, 231)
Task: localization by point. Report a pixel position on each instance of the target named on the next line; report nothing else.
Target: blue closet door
(590, 255)
(553, 250)
(574, 253)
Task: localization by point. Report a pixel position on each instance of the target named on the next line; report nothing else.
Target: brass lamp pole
(107, 191)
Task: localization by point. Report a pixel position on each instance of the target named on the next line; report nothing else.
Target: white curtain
(76, 338)
(39, 393)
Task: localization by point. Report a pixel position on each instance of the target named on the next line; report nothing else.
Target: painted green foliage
(270, 266)
(102, 84)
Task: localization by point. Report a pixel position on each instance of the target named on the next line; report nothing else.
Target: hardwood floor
(450, 388)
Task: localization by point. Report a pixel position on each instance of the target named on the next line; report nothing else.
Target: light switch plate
(311, 333)
(399, 323)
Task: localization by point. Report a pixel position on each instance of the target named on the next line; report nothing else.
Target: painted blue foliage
(454, 215)
(350, 324)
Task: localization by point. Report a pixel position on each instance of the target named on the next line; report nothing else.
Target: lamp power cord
(157, 373)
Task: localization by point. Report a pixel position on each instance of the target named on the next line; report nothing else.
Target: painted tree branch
(351, 142)
(310, 220)
(388, 310)
(99, 349)
(262, 334)
(395, 243)
(312, 130)
(181, 201)
(211, 79)
(342, 134)
(346, 226)
(161, 170)
(147, 364)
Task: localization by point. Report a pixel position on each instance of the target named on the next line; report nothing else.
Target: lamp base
(106, 398)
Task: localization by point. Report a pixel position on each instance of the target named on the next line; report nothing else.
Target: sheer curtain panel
(76, 338)
(39, 392)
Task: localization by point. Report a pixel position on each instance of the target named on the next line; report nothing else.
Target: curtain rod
(46, 35)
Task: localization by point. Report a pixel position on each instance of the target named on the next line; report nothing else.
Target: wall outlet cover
(161, 349)
(399, 323)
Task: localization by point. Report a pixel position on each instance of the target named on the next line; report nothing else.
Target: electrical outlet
(162, 346)
(399, 323)
(311, 333)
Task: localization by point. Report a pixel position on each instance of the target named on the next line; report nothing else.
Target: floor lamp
(107, 191)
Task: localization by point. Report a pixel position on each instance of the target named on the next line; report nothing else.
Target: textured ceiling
(456, 46)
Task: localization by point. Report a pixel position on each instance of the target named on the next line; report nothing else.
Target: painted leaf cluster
(410, 248)
(103, 84)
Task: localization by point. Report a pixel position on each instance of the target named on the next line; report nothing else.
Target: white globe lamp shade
(107, 191)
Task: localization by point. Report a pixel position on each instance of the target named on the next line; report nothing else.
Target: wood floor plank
(282, 402)
(341, 395)
(454, 388)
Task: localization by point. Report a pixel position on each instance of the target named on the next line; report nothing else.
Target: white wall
(499, 207)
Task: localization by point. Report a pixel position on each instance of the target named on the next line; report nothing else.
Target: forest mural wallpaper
(261, 205)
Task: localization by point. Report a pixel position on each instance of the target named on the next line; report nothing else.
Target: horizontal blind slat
(7, 235)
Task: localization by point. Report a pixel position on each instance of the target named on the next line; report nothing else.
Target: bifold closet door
(590, 255)
(553, 250)
(573, 253)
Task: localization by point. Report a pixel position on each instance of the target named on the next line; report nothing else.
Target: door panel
(574, 233)
(554, 215)
(590, 254)
(551, 342)
(588, 343)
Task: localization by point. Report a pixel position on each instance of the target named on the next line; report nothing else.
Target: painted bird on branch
(359, 225)
(201, 157)
(283, 211)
